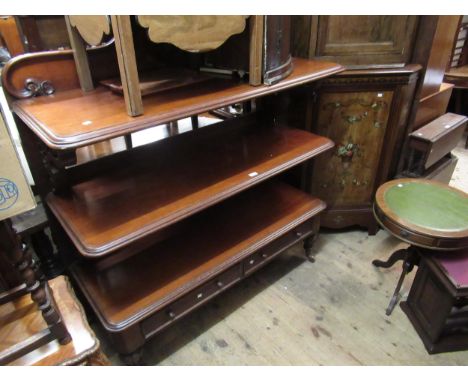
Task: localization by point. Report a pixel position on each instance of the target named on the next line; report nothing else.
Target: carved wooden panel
(357, 123)
(365, 40)
(193, 33)
(91, 28)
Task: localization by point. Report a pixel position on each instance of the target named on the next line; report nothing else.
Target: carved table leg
(410, 257)
(133, 359)
(308, 246)
(373, 228)
(396, 256)
(36, 153)
(43, 249)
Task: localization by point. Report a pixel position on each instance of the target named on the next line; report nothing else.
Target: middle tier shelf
(180, 177)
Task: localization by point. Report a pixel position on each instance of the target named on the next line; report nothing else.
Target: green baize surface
(428, 206)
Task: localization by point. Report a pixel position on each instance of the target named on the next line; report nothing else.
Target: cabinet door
(357, 123)
(366, 40)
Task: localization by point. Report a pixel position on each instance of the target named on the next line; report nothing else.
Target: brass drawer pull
(264, 255)
(219, 284)
(171, 314)
(199, 296)
(298, 234)
(251, 261)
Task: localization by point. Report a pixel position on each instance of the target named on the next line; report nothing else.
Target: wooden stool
(437, 303)
(423, 213)
(20, 320)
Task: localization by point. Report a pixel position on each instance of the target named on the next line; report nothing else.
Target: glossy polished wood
(20, 319)
(72, 119)
(421, 236)
(212, 241)
(365, 113)
(57, 67)
(438, 138)
(182, 177)
(458, 76)
(441, 47)
(357, 119)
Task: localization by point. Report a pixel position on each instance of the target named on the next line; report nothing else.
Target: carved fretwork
(34, 87)
(344, 80)
(55, 163)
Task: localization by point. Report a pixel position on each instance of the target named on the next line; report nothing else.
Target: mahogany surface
(72, 118)
(213, 241)
(433, 131)
(438, 138)
(183, 176)
(21, 319)
(458, 76)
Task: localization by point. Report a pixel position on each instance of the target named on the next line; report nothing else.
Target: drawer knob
(298, 234)
(251, 261)
(220, 284)
(171, 314)
(199, 295)
(264, 255)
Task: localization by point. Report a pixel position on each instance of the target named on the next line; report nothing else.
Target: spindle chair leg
(21, 256)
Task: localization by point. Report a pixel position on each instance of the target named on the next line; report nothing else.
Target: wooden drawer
(190, 301)
(268, 252)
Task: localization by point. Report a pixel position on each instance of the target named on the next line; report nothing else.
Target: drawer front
(204, 292)
(269, 251)
(190, 301)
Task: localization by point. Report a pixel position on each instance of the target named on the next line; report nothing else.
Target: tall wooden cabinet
(356, 41)
(370, 110)
(365, 113)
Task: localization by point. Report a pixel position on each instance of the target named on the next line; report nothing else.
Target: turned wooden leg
(133, 359)
(44, 250)
(372, 229)
(194, 120)
(410, 257)
(308, 246)
(396, 256)
(21, 256)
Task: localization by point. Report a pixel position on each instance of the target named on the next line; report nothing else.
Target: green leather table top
(429, 206)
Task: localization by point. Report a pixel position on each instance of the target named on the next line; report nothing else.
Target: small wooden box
(437, 304)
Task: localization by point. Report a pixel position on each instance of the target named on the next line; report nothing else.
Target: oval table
(425, 214)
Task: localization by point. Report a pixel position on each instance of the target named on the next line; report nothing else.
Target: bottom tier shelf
(139, 296)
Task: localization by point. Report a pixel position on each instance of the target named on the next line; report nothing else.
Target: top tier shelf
(74, 119)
